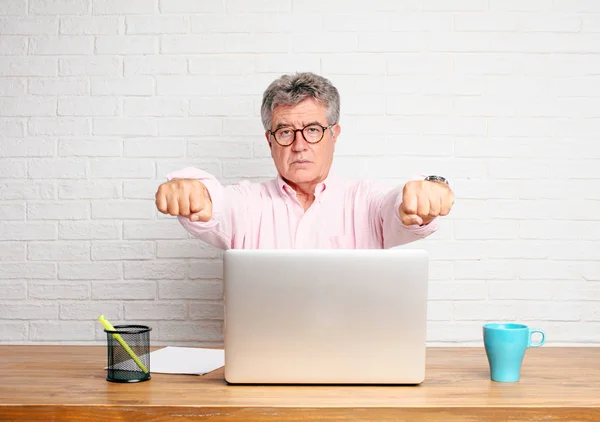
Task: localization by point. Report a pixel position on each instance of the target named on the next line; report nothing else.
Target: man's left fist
(423, 200)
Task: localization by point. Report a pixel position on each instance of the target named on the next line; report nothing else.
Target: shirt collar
(319, 189)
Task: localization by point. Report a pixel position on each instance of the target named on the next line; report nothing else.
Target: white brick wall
(100, 99)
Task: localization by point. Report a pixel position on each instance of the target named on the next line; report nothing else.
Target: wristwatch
(437, 179)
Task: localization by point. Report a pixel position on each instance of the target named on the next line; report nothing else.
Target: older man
(305, 206)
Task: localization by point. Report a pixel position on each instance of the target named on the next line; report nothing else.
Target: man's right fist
(185, 197)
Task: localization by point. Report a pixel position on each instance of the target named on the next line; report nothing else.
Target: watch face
(436, 179)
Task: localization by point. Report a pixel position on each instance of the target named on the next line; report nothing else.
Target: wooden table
(48, 383)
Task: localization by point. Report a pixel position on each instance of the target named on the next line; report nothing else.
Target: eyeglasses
(313, 134)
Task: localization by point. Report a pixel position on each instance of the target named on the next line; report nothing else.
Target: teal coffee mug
(505, 346)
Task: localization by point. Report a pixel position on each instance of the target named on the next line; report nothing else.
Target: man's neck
(305, 192)
(305, 199)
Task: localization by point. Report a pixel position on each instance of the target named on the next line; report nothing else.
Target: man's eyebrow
(285, 124)
(314, 122)
(280, 125)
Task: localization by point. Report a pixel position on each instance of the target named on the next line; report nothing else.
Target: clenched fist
(185, 197)
(423, 200)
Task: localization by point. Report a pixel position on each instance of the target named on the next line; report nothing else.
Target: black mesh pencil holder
(128, 353)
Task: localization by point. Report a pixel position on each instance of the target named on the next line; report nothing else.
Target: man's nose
(300, 143)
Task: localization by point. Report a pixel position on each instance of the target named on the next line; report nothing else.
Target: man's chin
(301, 175)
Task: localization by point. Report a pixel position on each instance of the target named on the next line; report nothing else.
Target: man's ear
(337, 129)
(267, 135)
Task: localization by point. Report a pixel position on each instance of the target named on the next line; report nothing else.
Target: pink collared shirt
(344, 215)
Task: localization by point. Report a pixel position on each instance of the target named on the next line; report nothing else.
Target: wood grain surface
(69, 383)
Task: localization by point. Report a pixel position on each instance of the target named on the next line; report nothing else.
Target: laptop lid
(325, 316)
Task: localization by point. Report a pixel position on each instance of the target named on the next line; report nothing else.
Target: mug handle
(539, 343)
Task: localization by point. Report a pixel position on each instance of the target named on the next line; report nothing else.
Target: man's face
(303, 162)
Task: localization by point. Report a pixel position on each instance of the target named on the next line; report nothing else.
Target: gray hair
(291, 90)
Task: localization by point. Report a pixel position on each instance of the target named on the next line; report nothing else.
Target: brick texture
(100, 99)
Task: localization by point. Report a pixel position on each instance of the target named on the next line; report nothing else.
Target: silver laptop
(325, 316)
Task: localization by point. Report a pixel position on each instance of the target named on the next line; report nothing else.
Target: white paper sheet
(182, 360)
(186, 360)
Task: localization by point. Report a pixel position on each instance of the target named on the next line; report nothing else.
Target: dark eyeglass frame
(303, 135)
